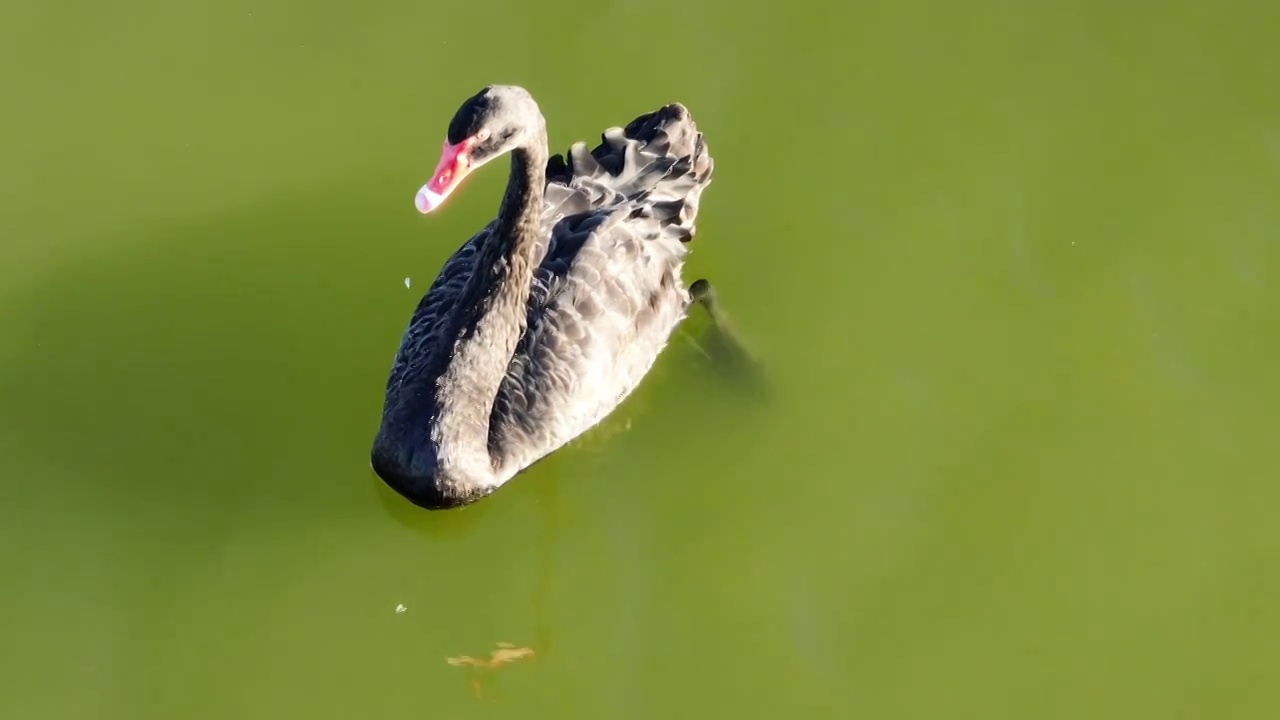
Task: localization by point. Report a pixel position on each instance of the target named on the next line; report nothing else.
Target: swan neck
(522, 201)
(491, 318)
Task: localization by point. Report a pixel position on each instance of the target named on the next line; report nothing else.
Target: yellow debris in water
(506, 653)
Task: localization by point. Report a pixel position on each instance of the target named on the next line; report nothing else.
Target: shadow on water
(235, 361)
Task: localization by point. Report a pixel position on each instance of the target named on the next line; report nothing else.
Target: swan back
(617, 222)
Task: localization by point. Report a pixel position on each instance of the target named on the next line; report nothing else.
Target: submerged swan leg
(701, 292)
(721, 343)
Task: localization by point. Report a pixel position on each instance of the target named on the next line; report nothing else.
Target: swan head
(494, 121)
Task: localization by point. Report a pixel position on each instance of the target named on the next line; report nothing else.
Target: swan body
(547, 318)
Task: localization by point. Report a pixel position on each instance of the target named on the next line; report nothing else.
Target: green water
(1011, 267)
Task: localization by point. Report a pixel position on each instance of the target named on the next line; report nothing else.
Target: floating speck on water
(400, 609)
(406, 282)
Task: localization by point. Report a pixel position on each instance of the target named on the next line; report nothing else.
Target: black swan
(548, 317)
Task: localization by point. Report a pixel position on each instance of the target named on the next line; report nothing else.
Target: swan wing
(608, 292)
(423, 349)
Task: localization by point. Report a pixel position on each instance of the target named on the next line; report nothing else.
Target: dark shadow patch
(229, 369)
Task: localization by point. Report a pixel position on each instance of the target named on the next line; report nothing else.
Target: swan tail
(658, 165)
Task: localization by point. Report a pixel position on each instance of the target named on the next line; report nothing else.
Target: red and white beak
(455, 164)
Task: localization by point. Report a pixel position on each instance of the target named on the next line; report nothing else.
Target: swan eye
(483, 135)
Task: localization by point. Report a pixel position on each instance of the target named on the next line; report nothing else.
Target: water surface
(1012, 270)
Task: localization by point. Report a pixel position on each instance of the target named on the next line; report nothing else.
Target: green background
(1011, 267)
